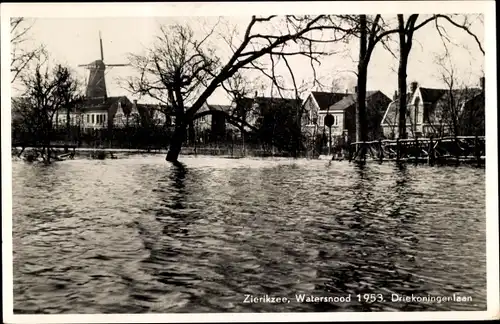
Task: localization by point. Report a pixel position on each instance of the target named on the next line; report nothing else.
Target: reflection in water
(138, 235)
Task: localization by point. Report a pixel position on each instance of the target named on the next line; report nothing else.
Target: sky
(74, 41)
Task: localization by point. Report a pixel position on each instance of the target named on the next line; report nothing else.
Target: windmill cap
(99, 63)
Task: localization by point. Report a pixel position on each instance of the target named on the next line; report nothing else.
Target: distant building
(115, 112)
(213, 123)
(438, 112)
(317, 105)
(344, 112)
(254, 111)
(274, 121)
(95, 114)
(342, 106)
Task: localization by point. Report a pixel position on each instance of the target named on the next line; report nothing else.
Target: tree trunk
(176, 142)
(405, 44)
(361, 88)
(191, 133)
(403, 62)
(68, 127)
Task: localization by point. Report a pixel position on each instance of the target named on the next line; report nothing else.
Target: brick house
(342, 106)
(437, 112)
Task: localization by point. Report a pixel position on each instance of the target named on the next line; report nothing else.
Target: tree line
(181, 68)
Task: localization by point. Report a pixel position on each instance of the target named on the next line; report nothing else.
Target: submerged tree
(180, 68)
(47, 90)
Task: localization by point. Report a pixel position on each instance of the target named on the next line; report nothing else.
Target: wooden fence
(459, 149)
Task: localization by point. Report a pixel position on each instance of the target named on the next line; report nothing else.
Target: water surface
(138, 235)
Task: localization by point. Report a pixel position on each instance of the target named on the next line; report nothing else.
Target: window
(417, 112)
(93, 120)
(88, 119)
(104, 118)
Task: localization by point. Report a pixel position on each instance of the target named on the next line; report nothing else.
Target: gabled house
(255, 111)
(211, 126)
(344, 113)
(150, 115)
(316, 106)
(437, 112)
(92, 114)
(278, 121)
(342, 106)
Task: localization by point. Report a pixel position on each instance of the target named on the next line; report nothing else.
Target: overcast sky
(76, 41)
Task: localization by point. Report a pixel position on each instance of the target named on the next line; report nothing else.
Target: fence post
(430, 153)
(417, 150)
(381, 151)
(477, 151)
(457, 149)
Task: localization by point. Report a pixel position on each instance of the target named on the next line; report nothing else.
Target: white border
(238, 9)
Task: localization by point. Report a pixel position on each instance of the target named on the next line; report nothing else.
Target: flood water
(138, 235)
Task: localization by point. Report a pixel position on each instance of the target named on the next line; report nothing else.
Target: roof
(432, 95)
(224, 108)
(349, 100)
(105, 104)
(391, 114)
(275, 100)
(327, 99)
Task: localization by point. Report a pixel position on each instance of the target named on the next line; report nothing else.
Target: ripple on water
(137, 235)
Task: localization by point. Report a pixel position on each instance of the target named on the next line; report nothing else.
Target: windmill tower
(96, 86)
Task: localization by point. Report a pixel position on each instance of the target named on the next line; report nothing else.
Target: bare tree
(47, 90)
(450, 110)
(21, 56)
(375, 30)
(406, 30)
(181, 66)
(371, 30)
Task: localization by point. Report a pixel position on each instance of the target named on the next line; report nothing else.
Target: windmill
(96, 86)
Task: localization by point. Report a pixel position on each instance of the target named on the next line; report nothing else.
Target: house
(342, 106)
(254, 110)
(437, 112)
(344, 113)
(94, 114)
(208, 125)
(115, 112)
(316, 106)
(472, 119)
(218, 125)
(274, 121)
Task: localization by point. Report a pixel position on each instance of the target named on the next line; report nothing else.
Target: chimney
(346, 91)
(413, 87)
(256, 94)
(395, 97)
(135, 102)
(481, 83)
